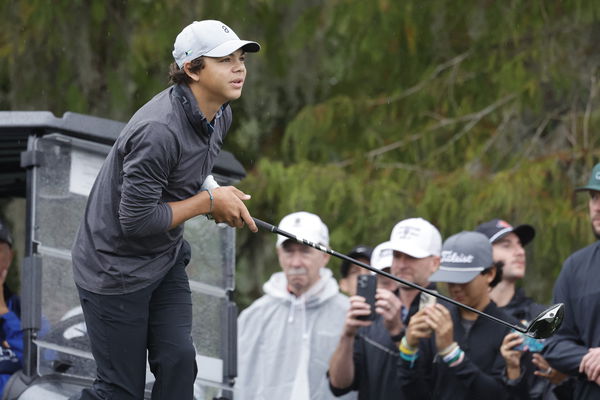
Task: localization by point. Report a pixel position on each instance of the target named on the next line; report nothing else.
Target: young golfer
(129, 255)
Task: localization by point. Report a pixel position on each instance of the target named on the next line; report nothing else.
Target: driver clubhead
(548, 322)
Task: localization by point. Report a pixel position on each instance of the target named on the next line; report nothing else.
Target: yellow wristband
(405, 348)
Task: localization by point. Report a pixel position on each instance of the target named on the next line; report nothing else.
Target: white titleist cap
(383, 256)
(306, 226)
(417, 238)
(208, 38)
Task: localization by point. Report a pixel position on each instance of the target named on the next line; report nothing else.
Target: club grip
(264, 225)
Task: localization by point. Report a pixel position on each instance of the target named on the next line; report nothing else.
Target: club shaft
(274, 229)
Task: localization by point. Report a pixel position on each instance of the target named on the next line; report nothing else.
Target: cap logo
(405, 232)
(225, 28)
(597, 176)
(503, 224)
(385, 253)
(449, 256)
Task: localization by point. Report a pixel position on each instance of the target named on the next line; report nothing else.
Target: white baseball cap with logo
(382, 256)
(208, 38)
(304, 225)
(416, 237)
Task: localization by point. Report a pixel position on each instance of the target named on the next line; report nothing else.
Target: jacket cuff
(513, 382)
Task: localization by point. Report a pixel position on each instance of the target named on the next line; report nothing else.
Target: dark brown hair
(178, 75)
(499, 266)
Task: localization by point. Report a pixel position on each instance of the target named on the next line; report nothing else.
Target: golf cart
(52, 162)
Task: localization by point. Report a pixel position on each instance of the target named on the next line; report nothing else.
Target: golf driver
(543, 326)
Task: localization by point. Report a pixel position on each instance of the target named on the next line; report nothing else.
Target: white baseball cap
(304, 225)
(208, 38)
(417, 238)
(383, 256)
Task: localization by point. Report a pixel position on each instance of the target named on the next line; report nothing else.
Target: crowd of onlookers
(310, 337)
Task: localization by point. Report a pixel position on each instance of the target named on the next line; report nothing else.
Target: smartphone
(426, 300)
(530, 344)
(366, 285)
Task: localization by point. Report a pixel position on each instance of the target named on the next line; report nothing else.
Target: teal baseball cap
(594, 182)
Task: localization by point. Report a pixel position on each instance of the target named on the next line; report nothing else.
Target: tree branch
(472, 119)
(414, 89)
(588, 111)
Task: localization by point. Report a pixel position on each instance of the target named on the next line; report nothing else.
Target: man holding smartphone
(508, 245)
(366, 357)
(350, 272)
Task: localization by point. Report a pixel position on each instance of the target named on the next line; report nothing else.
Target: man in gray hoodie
(286, 337)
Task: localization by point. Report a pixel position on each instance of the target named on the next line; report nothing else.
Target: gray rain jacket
(164, 154)
(285, 342)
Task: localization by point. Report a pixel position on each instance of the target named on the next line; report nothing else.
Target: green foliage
(364, 112)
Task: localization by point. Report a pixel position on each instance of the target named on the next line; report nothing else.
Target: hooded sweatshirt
(285, 342)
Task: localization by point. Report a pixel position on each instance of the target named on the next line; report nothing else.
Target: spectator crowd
(310, 337)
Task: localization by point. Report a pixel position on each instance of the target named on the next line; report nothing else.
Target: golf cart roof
(17, 126)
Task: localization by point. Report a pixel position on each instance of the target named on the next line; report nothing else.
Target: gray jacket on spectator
(285, 342)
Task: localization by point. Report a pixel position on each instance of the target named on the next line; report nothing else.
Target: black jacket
(524, 310)
(376, 361)
(164, 153)
(479, 376)
(578, 287)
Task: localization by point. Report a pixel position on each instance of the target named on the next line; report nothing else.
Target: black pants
(122, 327)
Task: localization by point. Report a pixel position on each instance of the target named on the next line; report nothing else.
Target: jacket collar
(192, 112)
(491, 309)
